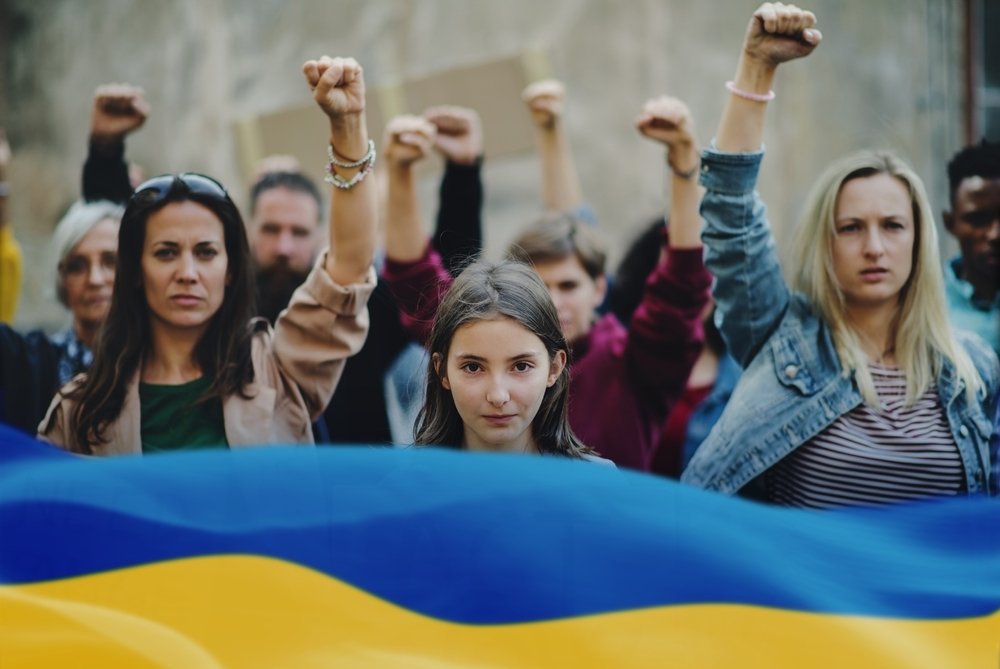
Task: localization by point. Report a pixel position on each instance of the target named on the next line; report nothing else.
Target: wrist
(462, 162)
(754, 74)
(107, 144)
(399, 170)
(684, 164)
(464, 159)
(349, 135)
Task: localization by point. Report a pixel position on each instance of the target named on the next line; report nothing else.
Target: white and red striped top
(872, 456)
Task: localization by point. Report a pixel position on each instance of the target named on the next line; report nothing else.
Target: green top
(172, 419)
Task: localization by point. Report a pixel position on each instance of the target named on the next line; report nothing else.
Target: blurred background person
(35, 365)
(972, 278)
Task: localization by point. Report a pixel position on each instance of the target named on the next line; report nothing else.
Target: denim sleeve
(750, 291)
(995, 450)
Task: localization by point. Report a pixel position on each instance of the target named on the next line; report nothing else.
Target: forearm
(750, 290)
(741, 128)
(459, 234)
(665, 334)
(405, 239)
(105, 172)
(324, 324)
(685, 196)
(352, 211)
(560, 183)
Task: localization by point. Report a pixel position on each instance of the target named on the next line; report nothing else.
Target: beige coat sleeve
(324, 324)
(55, 426)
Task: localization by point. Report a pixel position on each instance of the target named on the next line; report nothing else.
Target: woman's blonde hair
(923, 337)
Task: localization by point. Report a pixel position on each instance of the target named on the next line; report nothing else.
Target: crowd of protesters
(870, 378)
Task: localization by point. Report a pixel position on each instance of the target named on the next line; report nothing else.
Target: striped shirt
(873, 456)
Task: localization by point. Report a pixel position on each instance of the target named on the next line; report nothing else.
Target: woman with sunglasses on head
(855, 391)
(181, 363)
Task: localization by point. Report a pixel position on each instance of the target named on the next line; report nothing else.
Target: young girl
(624, 382)
(497, 379)
(180, 362)
(855, 390)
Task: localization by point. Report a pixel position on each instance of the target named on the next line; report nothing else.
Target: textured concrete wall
(888, 74)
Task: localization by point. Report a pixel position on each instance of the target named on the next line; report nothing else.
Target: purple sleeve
(666, 334)
(418, 288)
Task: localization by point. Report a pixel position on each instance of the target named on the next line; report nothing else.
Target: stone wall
(888, 74)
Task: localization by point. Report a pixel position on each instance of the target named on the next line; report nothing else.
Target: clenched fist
(408, 139)
(545, 102)
(118, 109)
(459, 133)
(338, 85)
(778, 33)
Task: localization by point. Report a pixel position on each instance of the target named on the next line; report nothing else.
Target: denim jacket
(793, 385)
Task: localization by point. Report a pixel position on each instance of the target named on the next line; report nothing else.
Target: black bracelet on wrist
(687, 175)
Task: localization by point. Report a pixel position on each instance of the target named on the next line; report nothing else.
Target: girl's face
(497, 371)
(184, 266)
(88, 273)
(873, 240)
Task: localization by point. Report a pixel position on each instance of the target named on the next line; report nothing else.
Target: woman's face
(184, 267)
(88, 274)
(497, 371)
(873, 240)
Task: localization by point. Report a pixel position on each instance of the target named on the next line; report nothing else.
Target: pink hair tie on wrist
(747, 95)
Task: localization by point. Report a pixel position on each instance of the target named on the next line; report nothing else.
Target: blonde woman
(855, 389)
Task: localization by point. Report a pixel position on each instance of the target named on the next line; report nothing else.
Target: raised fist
(459, 133)
(338, 85)
(667, 120)
(407, 140)
(118, 110)
(545, 102)
(778, 33)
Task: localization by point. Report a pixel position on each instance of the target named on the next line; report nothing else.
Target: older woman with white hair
(34, 365)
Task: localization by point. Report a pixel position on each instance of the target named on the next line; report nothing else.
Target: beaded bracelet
(369, 154)
(747, 95)
(334, 179)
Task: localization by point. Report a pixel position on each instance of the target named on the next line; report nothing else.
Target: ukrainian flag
(354, 557)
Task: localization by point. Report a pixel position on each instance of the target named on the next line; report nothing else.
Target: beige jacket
(296, 369)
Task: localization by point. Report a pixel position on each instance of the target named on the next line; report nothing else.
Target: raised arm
(408, 139)
(560, 183)
(117, 111)
(668, 121)
(665, 334)
(750, 290)
(458, 236)
(339, 89)
(776, 34)
(413, 271)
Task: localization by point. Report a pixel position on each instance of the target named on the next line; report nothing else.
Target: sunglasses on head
(156, 189)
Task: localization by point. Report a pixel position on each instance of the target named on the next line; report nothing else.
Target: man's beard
(275, 286)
